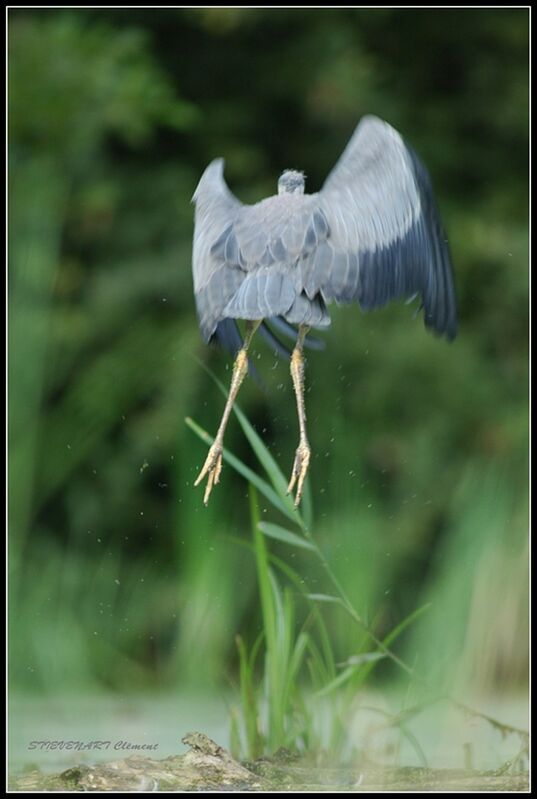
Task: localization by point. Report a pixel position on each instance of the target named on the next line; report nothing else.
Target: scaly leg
(303, 452)
(213, 464)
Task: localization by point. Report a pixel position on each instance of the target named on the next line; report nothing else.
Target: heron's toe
(211, 469)
(300, 469)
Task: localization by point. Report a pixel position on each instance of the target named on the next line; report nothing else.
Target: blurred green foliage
(119, 576)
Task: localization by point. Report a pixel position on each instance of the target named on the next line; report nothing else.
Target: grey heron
(370, 235)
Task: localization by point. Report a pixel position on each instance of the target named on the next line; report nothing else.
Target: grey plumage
(371, 235)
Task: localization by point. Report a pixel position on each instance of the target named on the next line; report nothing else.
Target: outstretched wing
(371, 235)
(215, 281)
(385, 237)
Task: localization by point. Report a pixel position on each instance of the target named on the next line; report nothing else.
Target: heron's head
(291, 182)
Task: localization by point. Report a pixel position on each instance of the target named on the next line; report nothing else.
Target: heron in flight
(371, 234)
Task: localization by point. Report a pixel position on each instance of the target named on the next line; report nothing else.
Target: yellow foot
(211, 468)
(300, 469)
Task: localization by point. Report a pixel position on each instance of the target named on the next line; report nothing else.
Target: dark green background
(120, 578)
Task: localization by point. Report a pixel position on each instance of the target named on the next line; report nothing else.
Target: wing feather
(215, 279)
(379, 205)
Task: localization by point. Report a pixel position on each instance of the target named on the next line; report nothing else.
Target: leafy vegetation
(290, 720)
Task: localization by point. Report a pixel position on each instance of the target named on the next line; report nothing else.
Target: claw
(300, 469)
(211, 469)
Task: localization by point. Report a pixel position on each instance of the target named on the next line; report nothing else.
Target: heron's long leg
(213, 464)
(303, 452)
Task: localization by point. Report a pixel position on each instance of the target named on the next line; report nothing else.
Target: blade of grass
(325, 598)
(338, 681)
(282, 534)
(249, 701)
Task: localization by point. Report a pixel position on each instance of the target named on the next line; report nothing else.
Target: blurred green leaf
(281, 534)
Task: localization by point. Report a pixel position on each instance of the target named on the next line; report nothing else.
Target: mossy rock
(209, 767)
